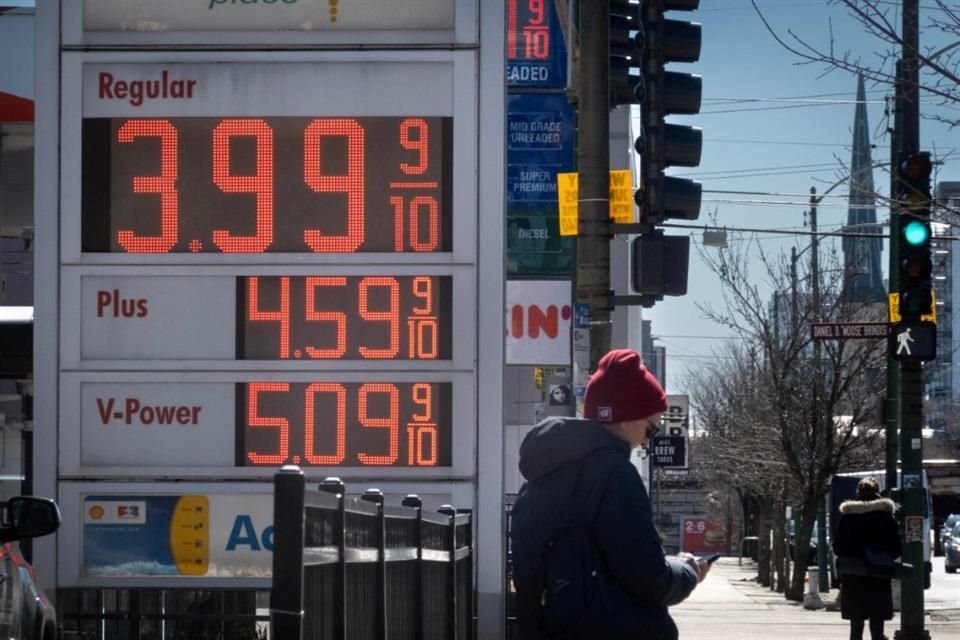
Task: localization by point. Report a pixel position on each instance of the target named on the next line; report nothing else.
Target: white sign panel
(197, 89)
(248, 424)
(677, 416)
(157, 424)
(266, 15)
(203, 534)
(538, 322)
(155, 317)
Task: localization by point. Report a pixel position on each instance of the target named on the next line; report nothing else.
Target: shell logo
(96, 512)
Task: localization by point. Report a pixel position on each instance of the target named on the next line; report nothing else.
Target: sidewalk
(731, 605)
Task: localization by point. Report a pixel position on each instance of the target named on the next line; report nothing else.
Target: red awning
(15, 109)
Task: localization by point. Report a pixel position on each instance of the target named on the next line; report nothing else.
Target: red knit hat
(622, 389)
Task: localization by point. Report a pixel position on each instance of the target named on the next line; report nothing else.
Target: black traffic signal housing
(658, 264)
(663, 93)
(916, 265)
(914, 338)
(626, 47)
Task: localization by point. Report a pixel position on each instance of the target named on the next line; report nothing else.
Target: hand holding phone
(709, 558)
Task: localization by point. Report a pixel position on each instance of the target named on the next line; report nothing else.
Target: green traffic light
(916, 233)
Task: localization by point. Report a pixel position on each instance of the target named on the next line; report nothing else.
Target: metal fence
(163, 614)
(354, 568)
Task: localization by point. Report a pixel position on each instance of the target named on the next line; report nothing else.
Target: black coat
(866, 523)
(580, 475)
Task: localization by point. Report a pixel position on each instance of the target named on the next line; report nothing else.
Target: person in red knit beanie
(588, 561)
(623, 392)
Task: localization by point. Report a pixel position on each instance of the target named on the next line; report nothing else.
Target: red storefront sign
(699, 534)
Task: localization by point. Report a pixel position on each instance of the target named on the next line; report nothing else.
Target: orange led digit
(267, 184)
(422, 396)
(419, 143)
(260, 183)
(397, 203)
(255, 420)
(352, 183)
(339, 421)
(281, 315)
(165, 184)
(345, 424)
(423, 289)
(339, 319)
(390, 421)
(391, 315)
(417, 205)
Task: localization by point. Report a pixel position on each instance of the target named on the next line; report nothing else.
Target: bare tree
(738, 454)
(816, 413)
(939, 79)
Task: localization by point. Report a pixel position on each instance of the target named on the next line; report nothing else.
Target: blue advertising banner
(188, 535)
(536, 54)
(540, 144)
(540, 128)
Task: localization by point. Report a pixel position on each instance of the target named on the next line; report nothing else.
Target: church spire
(861, 256)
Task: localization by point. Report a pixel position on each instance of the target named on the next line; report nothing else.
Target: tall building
(861, 256)
(654, 357)
(942, 375)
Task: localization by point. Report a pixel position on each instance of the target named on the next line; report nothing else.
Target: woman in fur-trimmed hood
(866, 521)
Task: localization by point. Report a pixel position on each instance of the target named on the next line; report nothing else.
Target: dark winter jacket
(866, 523)
(580, 479)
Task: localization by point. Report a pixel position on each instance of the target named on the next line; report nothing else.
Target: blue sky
(774, 145)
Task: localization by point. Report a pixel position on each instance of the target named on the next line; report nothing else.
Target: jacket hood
(867, 506)
(556, 442)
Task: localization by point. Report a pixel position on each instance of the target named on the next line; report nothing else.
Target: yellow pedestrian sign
(567, 201)
(894, 308)
(621, 199)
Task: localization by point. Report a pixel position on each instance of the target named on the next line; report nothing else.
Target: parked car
(951, 550)
(947, 529)
(25, 611)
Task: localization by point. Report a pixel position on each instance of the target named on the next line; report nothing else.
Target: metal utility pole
(892, 401)
(593, 165)
(823, 577)
(911, 374)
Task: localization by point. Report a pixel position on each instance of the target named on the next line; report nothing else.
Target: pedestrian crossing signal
(915, 341)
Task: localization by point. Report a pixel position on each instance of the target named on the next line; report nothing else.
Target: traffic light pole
(911, 378)
(593, 166)
(892, 400)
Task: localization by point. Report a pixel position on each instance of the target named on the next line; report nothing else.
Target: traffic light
(663, 93)
(916, 267)
(625, 52)
(659, 264)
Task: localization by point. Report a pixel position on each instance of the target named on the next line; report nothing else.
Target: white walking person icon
(903, 341)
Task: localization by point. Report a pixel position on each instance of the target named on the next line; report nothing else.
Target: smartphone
(710, 558)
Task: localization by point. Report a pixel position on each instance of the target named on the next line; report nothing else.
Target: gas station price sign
(338, 424)
(279, 184)
(344, 317)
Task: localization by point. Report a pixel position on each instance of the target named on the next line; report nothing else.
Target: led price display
(344, 317)
(271, 184)
(528, 30)
(383, 424)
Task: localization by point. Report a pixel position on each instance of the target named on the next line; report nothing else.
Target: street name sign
(848, 331)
